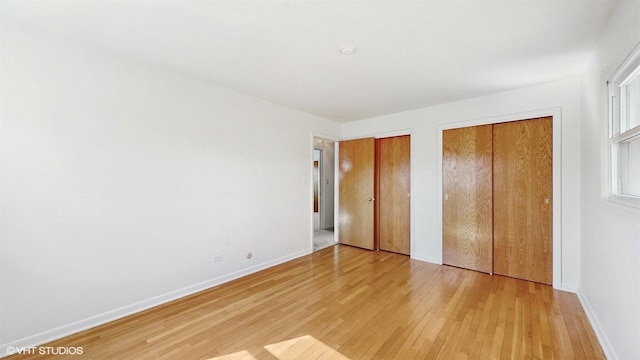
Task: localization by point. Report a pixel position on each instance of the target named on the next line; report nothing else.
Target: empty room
(224, 180)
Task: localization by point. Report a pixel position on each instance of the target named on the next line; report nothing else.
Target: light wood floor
(347, 303)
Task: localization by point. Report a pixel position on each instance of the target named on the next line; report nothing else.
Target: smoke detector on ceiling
(347, 49)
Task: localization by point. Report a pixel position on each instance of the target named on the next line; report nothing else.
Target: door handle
(371, 199)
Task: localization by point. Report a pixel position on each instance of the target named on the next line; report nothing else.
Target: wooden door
(522, 178)
(467, 201)
(393, 185)
(356, 192)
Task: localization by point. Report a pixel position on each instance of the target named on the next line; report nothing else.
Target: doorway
(323, 193)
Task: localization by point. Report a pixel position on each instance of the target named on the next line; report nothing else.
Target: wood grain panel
(522, 177)
(393, 202)
(350, 303)
(356, 191)
(467, 202)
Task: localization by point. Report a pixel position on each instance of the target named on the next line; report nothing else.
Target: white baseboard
(572, 288)
(75, 327)
(428, 259)
(597, 328)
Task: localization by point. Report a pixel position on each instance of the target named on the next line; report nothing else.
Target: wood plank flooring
(348, 303)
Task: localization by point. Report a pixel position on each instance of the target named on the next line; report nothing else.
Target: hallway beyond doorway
(322, 238)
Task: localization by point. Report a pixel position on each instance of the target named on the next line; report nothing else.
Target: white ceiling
(409, 54)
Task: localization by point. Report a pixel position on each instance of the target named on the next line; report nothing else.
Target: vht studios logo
(45, 350)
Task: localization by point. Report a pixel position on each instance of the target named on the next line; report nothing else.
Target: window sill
(630, 202)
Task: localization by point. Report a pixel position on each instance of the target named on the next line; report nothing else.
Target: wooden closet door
(467, 198)
(522, 178)
(356, 192)
(393, 203)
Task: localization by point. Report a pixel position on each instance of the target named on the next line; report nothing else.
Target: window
(624, 131)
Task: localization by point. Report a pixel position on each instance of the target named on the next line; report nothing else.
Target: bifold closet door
(393, 203)
(467, 199)
(522, 197)
(356, 191)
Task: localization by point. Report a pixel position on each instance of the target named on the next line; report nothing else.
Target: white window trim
(627, 70)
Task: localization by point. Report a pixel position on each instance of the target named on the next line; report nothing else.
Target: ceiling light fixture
(347, 49)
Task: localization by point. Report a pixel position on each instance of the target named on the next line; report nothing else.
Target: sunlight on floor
(240, 355)
(304, 347)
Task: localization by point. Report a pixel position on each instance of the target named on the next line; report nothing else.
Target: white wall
(425, 124)
(120, 181)
(610, 266)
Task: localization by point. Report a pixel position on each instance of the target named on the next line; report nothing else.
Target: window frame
(619, 130)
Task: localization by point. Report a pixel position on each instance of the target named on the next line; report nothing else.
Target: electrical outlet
(216, 257)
